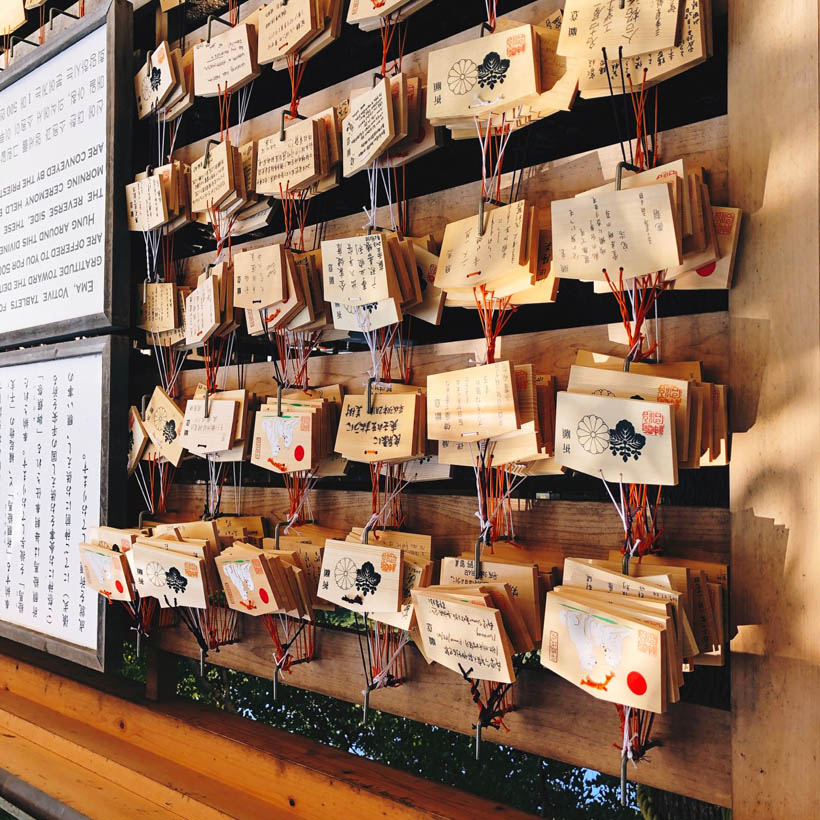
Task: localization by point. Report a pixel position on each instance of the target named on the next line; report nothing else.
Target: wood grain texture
(775, 379)
(176, 759)
(700, 337)
(553, 718)
(552, 529)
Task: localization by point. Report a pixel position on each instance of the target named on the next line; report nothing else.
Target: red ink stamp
(388, 562)
(669, 394)
(516, 44)
(652, 423)
(647, 642)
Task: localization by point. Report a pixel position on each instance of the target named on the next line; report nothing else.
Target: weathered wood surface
(774, 131)
(701, 337)
(552, 718)
(548, 530)
(109, 757)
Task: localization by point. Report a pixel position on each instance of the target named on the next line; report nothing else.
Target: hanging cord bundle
(382, 654)
(493, 703)
(296, 71)
(502, 481)
(492, 313)
(218, 623)
(141, 611)
(154, 487)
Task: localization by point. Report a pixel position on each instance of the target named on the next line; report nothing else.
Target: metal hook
(619, 171)
(478, 740)
(211, 18)
(208, 151)
(51, 12)
(15, 38)
(286, 113)
(485, 26)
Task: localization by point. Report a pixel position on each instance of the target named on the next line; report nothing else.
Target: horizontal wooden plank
(552, 529)
(552, 718)
(291, 775)
(702, 143)
(699, 337)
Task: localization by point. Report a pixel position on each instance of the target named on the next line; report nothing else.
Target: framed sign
(63, 459)
(62, 207)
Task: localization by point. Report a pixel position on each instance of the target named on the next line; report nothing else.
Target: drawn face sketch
(279, 427)
(611, 638)
(240, 575)
(575, 623)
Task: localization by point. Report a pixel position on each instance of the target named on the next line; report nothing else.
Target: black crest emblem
(493, 70)
(156, 78)
(169, 431)
(176, 580)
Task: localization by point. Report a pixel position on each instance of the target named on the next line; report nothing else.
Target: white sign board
(50, 456)
(52, 192)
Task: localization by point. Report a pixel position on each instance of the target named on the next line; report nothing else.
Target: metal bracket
(484, 200)
(54, 10)
(208, 151)
(211, 18)
(16, 39)
(286, 113)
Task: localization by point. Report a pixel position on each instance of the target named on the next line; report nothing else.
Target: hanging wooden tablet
(154, 84)
(486, 75)
(157, 306)
(361, 578)
(354, 270)
(470, 258)
(368, 128)
(628, 385)
(389, 433)
(163, 423)
(202, 315)
(462, 632)
(208, 432)
(471, 404)
(637, 27)
(137, 438)
(285, 26)
(618, 439)
(693, 48)
(283, 444)
(259, 277)
(293, 163)
(174, 578)
(633, 229)
(227, 62)
(145, 204)
(212, 178)
(107, 572)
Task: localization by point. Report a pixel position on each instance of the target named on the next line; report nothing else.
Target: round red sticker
(263, 595)
(299, 452)
(118, 585)
(707, 270)
(636, 683)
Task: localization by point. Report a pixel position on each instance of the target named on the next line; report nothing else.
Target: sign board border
(118, 19)
(113, 457)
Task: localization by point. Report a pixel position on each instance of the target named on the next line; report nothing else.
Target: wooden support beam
(774, 176)
(109, 758)
(700, 337)
(553, 718)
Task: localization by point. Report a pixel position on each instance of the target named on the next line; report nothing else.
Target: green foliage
(503, 774)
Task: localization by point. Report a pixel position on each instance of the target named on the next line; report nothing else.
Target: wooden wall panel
(553, 718)
(774, 132)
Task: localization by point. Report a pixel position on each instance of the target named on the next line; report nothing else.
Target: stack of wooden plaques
(217, 424)
(176, 571)
(530, 442)
(629, 638)
(501, 256)
(288, 28)
(388, 427)
(160, 198)
(512, 78)
(305, 157)
(368, 16)
(226, 62)
(472, 628)
(262, 581)
(209, 307)
(295, 433)
(690, 46)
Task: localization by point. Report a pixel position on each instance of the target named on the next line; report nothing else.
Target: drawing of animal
(279, 427)
(101, 564)
(240, 575)
(589, 633)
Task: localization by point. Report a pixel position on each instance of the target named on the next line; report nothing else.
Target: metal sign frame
(117, 17)
(113, 460)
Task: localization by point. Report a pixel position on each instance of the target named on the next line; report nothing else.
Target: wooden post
(774, 133)
(160, 673)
